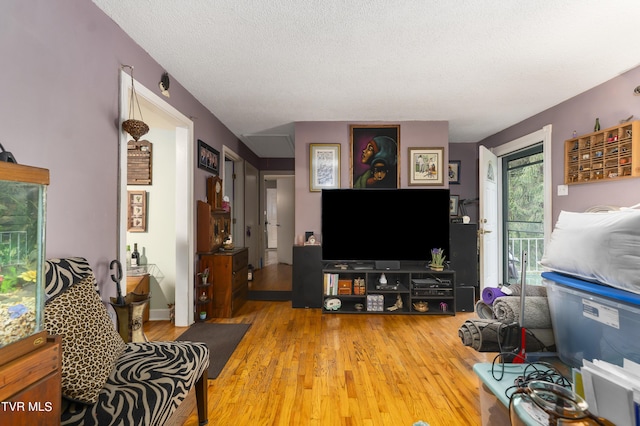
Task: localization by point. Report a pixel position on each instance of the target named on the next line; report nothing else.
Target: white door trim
(185, 242)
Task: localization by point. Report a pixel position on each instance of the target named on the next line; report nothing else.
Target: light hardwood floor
(302, 367)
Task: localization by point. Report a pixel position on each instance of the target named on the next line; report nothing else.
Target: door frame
(543, 135)
(269, 175)
(185, 241)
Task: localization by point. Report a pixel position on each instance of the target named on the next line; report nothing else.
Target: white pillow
(603, 247)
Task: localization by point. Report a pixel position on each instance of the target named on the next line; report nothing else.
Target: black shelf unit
(414, 283)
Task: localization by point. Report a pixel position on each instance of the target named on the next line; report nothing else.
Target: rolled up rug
(481, 335)
(532, 290)
(483, 310)
(536, 311)
(490, 294)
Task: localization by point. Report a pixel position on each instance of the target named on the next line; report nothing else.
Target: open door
(488, 223)
(286, 217)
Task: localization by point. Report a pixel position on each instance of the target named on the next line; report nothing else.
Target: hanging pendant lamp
(135, 128)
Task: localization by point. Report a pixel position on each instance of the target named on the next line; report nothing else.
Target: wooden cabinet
(369, 292)
(139, 284)
(30, 378)
(609, 154)
(230, 284)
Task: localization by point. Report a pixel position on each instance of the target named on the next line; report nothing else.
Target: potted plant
(437, 259)
(204, 275)
(203, 315)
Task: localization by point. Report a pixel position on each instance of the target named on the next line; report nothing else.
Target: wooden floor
(302, 367)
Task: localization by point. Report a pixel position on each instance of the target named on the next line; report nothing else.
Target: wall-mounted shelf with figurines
(603, 155)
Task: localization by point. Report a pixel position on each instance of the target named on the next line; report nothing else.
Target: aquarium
(22, 234)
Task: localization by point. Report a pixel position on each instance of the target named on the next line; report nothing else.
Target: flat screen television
(384, 224)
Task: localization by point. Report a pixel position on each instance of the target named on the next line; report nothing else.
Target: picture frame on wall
(454, 171)
(324, 166)
(454, 204)
(426, 166)
(208, 158)
(374, 156)
(137, 212)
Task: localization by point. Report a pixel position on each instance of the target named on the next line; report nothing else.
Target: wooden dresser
(229, 276)
(30, 381)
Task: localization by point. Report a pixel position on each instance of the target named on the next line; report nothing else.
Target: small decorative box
(375, 302)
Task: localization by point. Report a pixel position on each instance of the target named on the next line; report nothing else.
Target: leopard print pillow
(90, 343)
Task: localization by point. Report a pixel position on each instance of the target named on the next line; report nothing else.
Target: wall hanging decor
(426, 166)
(135, 128)
(208, 158)
(137, 214)
(324, 166)
(374, 156)
(139, 163)
(454, 171)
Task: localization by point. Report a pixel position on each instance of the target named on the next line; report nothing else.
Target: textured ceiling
(259, 66)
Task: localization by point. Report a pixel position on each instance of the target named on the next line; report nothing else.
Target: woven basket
(135, 128)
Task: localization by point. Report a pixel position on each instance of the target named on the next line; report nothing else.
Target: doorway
(493, 240)
(278, 219)
(523, 214)
(175, 284)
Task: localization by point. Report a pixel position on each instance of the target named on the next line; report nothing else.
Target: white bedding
(603, 247)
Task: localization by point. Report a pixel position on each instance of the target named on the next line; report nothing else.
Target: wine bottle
(135, 255)
(597, 126)
(128, 261)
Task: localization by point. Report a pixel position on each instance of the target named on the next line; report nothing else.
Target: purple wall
(60, 75)
(414, 134)
(611, 102)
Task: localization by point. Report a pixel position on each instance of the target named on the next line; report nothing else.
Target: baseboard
(159, 315)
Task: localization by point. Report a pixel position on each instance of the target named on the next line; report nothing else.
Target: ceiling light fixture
(136, 128)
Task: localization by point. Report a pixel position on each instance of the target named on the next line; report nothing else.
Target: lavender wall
(60, 84)
(414, 134)
(611, 102)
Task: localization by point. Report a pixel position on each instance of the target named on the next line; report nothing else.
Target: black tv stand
(359, 289)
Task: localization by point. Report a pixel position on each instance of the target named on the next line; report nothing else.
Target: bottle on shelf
(597, 125)
(128, 261)
(143, 257)
(135, 255)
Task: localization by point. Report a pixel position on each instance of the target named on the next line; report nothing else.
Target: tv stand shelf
(412, 283)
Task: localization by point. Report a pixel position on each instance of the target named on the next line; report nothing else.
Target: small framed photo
(137, 214)
(454, 204)
(454, 171)
(208, 158)
(324, 166)
(426, 166)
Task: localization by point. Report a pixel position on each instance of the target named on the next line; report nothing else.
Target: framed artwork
(137, 214)
(426, 166)
(374, 161)
(324, 166)
(454, 171)
(208, 158)
(454, 203)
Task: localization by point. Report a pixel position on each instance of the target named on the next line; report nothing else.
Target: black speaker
(306, 280)
(463, 257)
(465, 299)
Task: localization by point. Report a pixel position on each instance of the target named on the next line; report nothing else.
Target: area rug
(221, 339)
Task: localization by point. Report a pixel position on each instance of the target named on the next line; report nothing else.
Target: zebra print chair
(105, 380)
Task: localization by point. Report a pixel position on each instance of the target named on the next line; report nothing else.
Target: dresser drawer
(240, 260)
(240, 278)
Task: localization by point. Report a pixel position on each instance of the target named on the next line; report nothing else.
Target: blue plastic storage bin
(592, 321)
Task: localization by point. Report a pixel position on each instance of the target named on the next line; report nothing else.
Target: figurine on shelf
(203, 297)
(397, 305)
